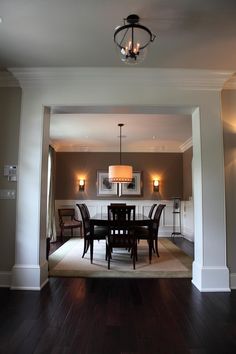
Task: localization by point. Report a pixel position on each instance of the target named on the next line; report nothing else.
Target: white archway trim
(119, 87)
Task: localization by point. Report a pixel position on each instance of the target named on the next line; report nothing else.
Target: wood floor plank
(114, 316)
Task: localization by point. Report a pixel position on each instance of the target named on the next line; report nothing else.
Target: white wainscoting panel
(187, 220)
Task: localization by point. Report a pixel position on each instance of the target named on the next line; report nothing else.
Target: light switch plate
(7, 194)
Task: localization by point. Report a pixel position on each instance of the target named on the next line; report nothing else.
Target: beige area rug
(67, 261)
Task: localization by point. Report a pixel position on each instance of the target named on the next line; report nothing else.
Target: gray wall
(229, 121)
(70, 165)
(10, 105)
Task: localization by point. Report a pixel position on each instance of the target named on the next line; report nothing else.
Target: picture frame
(134, 187)
(104, 186)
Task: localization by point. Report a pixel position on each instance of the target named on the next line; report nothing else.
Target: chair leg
(62, 233)
(150, 250)
(86, 246)
(91, 251)
(134, 255)
(156, 247)
(109, 258)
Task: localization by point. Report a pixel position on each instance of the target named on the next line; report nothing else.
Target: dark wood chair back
(117, 204)
(121, 230)
(99, 233)
(85, 218)
(120, 212)
(151, 210)
(156, 223)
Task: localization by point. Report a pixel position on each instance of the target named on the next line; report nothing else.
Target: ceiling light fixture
(120, 173)
(132, 40)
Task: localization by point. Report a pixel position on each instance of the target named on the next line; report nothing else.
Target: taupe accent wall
(229, 124)
(72, 165)
(187, 174)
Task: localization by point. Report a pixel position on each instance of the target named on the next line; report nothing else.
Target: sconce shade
(81, 185)
(155, 185)
(120, 173)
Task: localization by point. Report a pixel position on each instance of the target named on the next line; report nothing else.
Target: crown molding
(8, 80)
(231, 83)
(169, 78)
(103, 149)
(186, 145)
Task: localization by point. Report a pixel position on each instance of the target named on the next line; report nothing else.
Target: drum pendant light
(120, 173)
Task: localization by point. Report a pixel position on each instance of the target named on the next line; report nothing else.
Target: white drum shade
(120, 173)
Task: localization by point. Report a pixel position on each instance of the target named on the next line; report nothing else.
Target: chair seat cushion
(142, 231)
(100, 233)
(72, 223)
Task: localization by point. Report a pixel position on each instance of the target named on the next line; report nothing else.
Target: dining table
(101, 219)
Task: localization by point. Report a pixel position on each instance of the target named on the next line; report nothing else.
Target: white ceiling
(194, 34)
(100, 132)
(190, 33)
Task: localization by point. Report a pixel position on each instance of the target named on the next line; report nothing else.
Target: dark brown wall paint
(71, 165)
(187, 173)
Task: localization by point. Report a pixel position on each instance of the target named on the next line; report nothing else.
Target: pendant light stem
(120, 125)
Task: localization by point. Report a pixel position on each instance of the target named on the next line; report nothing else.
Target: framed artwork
(104, 186)
(134, 187)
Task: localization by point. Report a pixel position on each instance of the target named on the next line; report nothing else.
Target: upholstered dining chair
(143, 233)
(100, 232)
(67, 220)
(152, 210)
(140, 229)
(121, 232)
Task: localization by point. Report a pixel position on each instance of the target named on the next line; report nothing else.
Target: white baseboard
(5, 279)
(210, 279)
(29, 276)
(188, 234)
(233, 280)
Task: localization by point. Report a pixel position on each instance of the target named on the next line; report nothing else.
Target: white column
(29, 271)
(210, 272)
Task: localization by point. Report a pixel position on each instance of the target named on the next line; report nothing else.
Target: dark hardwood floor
(117, 316)
(114, 316)
(185, 245)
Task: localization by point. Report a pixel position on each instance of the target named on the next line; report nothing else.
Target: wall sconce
(155, 185)
(81, 185)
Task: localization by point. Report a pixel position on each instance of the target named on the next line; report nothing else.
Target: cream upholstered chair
(67, 220)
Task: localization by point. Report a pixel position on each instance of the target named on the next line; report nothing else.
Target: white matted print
(134, 187)
(104, 186)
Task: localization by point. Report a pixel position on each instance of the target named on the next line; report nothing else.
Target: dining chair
(67, 220)
(152, 210)
(143, 233)
(121, 232)
(100, 232)
(139, 229)
(156, 224)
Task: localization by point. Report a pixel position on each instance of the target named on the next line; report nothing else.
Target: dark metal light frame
(132, 22)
